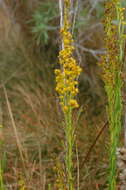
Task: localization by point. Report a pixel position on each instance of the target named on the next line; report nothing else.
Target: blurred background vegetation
(30, 112)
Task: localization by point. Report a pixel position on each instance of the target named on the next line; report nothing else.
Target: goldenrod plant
(66, 79)
(111, 64)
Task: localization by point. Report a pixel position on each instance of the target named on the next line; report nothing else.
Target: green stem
(115, 126)
(115, 103)
(69, 148)
(1, 178)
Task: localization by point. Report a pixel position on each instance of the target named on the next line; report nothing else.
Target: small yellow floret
(57, 71)
(65, 108)
(73, 103)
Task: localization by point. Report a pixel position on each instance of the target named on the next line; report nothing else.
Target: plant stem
(115, 126)
(69, 148)
(67, 85)
(1, 178)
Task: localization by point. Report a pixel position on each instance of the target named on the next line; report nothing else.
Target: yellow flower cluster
(67, 75)
(111, 62)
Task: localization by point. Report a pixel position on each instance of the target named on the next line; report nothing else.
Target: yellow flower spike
(111, 64)
(66, 86)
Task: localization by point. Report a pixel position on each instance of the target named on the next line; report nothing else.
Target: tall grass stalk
(66, 78)
(112, 67)
(19, 145)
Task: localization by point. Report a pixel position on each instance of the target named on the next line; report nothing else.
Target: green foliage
(99, 10)
(42, 21)
(49, 187)
(123, 3)
(1, 179)
(2, 168)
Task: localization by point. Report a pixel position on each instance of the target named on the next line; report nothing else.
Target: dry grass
(32, 105)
